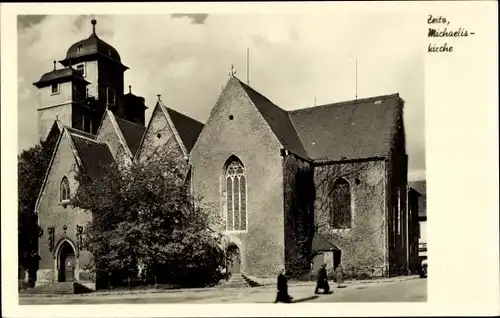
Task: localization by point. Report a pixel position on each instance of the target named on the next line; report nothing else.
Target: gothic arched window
(64, 189)
(340, 213)
(235, 186)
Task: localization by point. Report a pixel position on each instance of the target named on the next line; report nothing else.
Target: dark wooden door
(235, 264)
(336, 259)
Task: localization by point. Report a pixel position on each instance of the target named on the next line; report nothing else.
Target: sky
(295, 60)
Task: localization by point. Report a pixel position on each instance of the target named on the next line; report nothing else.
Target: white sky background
(293, 59)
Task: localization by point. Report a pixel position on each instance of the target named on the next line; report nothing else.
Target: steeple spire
(94, 22)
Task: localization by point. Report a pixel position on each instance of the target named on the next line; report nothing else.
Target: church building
(328, 182)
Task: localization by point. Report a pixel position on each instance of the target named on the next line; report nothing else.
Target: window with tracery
(340, 212)
(65, 189)
(235, 189)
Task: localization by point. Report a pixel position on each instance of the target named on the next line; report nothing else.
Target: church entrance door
(336, 258)
(234, 259)
(67, 262)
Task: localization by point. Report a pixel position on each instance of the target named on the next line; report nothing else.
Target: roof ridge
(262, 95)
(127, 121)
(184, 115)
(87, 138)
(348, 102)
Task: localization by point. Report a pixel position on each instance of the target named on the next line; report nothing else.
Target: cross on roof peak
(232, 71)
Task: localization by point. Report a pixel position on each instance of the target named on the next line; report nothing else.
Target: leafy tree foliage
(146, 224)
(32, 167)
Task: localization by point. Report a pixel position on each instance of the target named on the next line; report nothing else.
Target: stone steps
(60, 288)
(236, 281)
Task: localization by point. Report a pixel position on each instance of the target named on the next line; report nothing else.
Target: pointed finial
(57, 117)
(55, 65)
(159, 97)
(94, 22)
(130, 89)
(232, 71)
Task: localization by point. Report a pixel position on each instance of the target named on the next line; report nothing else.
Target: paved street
(414, 290)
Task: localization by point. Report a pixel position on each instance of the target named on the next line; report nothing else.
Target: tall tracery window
(65, 189)
(236, 204)
(340, 213)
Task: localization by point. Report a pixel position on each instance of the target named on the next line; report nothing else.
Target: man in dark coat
(322, 282)
(282, 285)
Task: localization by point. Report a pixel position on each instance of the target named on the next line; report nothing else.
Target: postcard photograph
(248, 157)
(222, 158)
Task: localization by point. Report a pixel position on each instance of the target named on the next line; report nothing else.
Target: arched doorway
(66, 262)
(234, 259)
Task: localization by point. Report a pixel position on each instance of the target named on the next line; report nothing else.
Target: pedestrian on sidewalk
(339, 275)
(322, 282)
(282, 285)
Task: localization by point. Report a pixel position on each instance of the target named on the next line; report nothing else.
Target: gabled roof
(92, 156)
(188, 128)
(132, 133)
(279, 121)
(59, 76)
(78, 132)
(321, 244)
(95, 157)
(355, 129)
(421, 187)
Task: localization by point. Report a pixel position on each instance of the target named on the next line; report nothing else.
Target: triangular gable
(164, 111)
(56, 129)
(109, 118)
(92, 156)
(63, 133)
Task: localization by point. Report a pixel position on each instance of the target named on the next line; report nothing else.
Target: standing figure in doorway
(339, 275)
(322, 282)
(282, 285)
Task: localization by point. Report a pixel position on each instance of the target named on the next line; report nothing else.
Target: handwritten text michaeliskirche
(444, 32)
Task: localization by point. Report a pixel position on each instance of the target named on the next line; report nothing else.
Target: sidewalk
(214, 289)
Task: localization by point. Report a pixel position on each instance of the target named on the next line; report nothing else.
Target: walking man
(322, 282)
(282, 285)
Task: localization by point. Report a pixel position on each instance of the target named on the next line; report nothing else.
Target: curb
(197, 290)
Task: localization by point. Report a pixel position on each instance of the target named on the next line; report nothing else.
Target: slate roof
(279, 121)
(58, 76)
(188, 128)
(91, 46)
(356, 129)
(321, 244)
(421, 187)
(132, 133)
(96, 157)
(348, 130)
(78, 132)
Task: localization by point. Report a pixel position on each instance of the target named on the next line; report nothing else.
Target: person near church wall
(339, 275)
(282, 285)
(322, 282)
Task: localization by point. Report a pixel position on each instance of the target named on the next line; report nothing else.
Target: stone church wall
(109, 136)
(247, 136)
(52, 213)
(363, 245)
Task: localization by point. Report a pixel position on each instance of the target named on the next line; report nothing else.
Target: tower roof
(59, 76)
(91, 47)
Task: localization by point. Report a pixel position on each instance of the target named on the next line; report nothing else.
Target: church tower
(91, 80)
